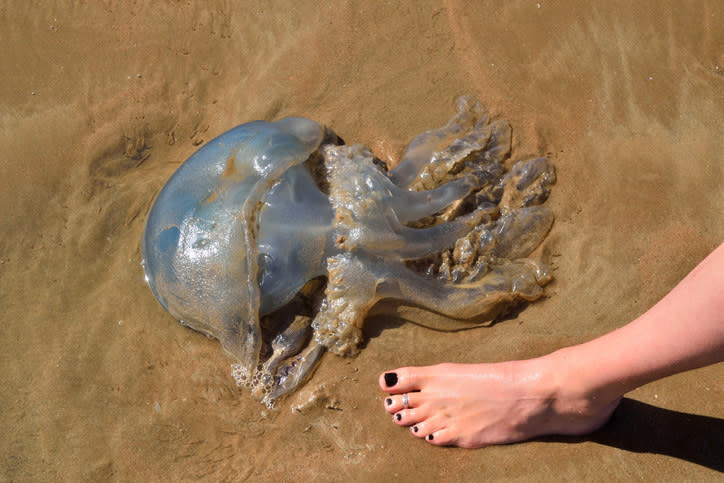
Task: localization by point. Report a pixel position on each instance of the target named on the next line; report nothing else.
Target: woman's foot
(474, 405)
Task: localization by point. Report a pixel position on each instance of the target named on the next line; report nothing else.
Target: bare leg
(573, 390)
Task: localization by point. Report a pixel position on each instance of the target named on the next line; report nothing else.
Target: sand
(101, 101)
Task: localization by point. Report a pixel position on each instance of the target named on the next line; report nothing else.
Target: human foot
(475, 405)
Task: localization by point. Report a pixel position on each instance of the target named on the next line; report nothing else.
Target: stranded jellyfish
(277, 239)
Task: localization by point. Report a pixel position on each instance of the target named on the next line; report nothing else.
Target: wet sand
(100, 103)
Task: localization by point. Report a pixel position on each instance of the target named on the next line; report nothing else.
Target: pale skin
(571, 391)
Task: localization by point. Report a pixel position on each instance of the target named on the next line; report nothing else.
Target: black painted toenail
(398, 416)
(388, 401)
(430, 437)
(390, 379)
(416, 429)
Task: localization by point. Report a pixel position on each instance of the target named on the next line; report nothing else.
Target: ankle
(575, 386)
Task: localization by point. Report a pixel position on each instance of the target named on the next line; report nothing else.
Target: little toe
(441, 437)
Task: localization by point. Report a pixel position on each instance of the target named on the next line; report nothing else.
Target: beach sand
(101, 101)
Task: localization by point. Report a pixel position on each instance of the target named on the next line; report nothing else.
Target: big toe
(405, 379)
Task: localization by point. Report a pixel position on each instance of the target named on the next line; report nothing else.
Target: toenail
(390, 379)
(398, 416)
(430, 437)
(416, 429)
(388, 401)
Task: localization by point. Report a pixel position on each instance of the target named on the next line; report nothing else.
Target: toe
(396, 402)
(441, 437)
(388, 381)
(430, 438)
(416, 431)
(426, 428)
(398, 381)
(408, 417)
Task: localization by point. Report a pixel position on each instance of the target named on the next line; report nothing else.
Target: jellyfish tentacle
(365, 217)
(502, 285)
(470, 113)
(402, 242)
(412, 205)
(519, 232)
(527, 184)
(349, 295)
(465, 154)
(289, 376)
(287, 344)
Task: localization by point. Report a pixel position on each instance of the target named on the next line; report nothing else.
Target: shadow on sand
(643, 428)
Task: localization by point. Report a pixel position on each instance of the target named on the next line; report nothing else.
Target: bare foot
(474, 405)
